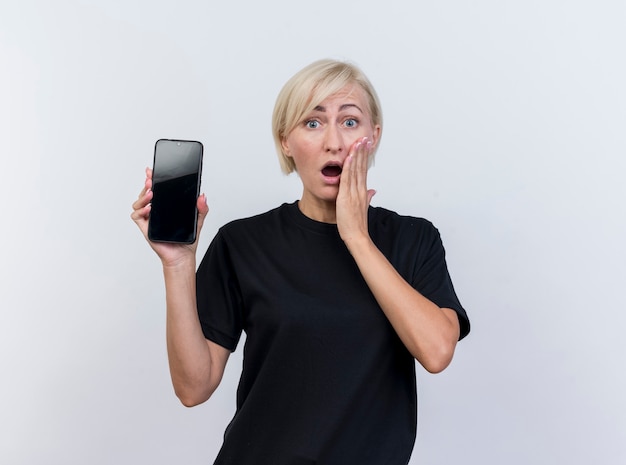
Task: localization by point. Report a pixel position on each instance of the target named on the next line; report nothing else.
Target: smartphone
(176, 185)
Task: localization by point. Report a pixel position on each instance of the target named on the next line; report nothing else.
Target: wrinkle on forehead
(350, 92)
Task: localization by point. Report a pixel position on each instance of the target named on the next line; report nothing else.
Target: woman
(337, 298)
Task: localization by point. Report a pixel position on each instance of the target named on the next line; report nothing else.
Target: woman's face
(320, 144)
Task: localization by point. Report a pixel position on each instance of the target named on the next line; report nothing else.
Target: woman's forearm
(196, 365)
(430, 333)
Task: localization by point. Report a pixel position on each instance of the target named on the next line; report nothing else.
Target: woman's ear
(285, 146)
(376, 135)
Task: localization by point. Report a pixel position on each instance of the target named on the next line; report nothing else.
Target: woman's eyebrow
(341, 108)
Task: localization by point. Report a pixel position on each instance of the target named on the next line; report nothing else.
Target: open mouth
(331, 171)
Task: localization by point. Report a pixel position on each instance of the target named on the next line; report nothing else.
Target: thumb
(203, 209)
(370, 193)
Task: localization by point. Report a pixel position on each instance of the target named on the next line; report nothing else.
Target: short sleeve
(218, 295)
(432, 279)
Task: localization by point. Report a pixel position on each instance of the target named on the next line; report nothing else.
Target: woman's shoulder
(256, 222)
(390, 219)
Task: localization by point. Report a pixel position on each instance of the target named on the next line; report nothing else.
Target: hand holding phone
(176, 177)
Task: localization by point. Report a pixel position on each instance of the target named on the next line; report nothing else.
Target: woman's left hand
(354, 197)
(429, 333)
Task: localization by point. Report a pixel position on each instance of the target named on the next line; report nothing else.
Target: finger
(203, 209)
(147, 184)
(364, 153)
(143, 199)
(141, 210)
(141, 214)
(144, 189)
(365, 162)
(370, 193)
(366, 165)
(345, 186)
(354, 162)
(360, 166)
(358, 171)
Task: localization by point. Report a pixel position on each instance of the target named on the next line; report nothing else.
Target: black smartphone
(176, 185)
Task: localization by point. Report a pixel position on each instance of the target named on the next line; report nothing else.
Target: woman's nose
(333, 140)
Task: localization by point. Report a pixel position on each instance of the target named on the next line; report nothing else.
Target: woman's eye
(312, 124)
(351, 123)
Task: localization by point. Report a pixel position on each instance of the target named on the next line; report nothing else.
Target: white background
(504, 125)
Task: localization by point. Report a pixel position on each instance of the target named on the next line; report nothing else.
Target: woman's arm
(196, 364)
(430, 333)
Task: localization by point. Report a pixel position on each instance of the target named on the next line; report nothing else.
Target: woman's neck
(322, 211)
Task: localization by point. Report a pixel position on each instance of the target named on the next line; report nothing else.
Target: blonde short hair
(307, 89)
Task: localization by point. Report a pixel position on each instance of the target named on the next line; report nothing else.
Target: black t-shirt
(325, 378)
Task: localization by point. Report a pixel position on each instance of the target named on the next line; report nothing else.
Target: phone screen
(175, 186)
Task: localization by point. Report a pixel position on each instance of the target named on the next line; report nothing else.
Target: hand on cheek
(354, 197)
(356, 167)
